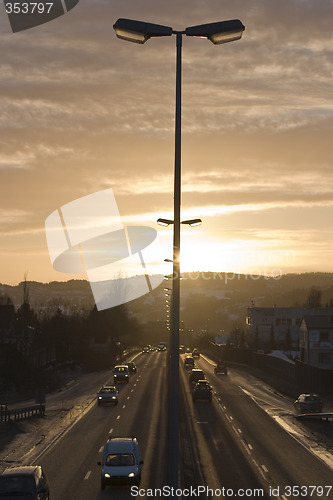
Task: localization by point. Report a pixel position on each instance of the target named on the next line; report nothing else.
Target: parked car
(107, 394)
(121, 374)
(196, 375)
(121, 462)
(131, 366)
(195, 353)
(202, 390)
(221, 369)
(308, 403)
(189, 362)
(24, 483)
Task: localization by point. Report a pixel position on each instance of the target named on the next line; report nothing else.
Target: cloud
(82, 111)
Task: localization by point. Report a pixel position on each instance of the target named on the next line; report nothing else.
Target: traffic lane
(71, 464)
(283, 460)
(223, 459)
(264, 393)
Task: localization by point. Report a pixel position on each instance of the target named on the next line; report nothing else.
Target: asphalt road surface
(231, 447)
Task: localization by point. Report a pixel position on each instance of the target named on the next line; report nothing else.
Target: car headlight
(131, 474)
(107, 475)
(99, 397)
(114, 397)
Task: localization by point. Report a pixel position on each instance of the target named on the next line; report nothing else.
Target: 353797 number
(28, 7)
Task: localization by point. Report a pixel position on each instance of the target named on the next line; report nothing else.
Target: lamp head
(139, 31)
(220, 32)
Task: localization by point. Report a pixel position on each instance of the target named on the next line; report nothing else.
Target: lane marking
(111, 431)
(235, 430)
(124, 406)
(265, 468)
(118, 417)
(101, 449)
(245, 447)
(87, 475)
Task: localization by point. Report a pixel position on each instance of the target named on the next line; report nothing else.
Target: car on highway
(107, 394)
(24, 483)
(202, 391)
(189, 362)
(121, 374)
(121, 462)
(308, 403)
(221, 369)
(131, 366)
(196, 375)
(145, 350)
(195, 353)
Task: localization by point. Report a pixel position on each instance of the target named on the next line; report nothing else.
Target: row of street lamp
(217, 33)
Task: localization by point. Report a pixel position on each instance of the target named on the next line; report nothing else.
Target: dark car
(202, 390)
(120, 374)
(24, 483)
(189, 362)
(107, 394)
(196, 375)
(221, 369)
(308, 403)
(131, 367)
(195, 353)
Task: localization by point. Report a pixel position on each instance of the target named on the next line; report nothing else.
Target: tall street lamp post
(217, 33)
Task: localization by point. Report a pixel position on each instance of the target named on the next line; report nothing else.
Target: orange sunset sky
(82, 111)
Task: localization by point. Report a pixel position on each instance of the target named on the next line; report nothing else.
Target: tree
(314, 297)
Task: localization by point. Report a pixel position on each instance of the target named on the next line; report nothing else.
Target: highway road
(71, 463)
(280, 459)
(229, 445)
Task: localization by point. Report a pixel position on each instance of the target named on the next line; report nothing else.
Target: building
(316, 341)
(279, 327)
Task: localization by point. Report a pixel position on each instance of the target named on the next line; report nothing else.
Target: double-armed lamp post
(217, 33)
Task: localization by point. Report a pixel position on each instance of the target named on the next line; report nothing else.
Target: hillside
(211, 300)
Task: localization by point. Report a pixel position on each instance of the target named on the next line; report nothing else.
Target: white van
(121, 462)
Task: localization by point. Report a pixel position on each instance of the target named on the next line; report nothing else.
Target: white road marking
(118, 417)
(87, 475)
(246, 448)
(111, 431)
(264, 468)
(235, 430)
(124, 406)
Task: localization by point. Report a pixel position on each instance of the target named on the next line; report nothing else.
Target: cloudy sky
(82, 111)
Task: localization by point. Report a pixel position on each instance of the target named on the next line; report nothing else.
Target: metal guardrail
(7, 415)
(316, 416)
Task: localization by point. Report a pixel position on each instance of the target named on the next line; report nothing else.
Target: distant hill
(208, 300)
